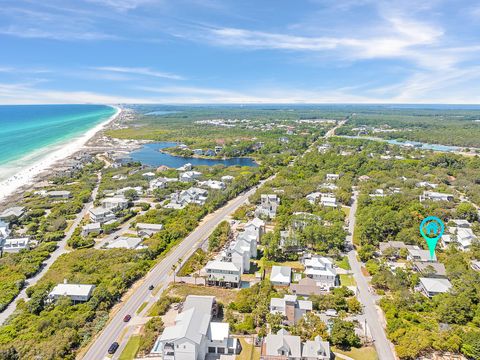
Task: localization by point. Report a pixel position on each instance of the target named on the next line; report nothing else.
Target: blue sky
(244, 51)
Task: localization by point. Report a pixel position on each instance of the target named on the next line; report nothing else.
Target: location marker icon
(432, 229)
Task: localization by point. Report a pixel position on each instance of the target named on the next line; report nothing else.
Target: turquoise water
(26, 129)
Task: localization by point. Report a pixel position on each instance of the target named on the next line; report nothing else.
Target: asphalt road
(60, 250)
(158, 277)
(383, 346)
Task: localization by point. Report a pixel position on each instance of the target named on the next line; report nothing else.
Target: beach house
(283, 346)
(14, 245)
(321, 270)
(114, 203)
(434, 286)
(268, 206)
(144, 229)
(194, 335)
(15, 212)
(76, 292)
(101, 215)
(223, 273)
(281, 275)
(290, 307)
(126, 242)
(435, 196)
(95, 227)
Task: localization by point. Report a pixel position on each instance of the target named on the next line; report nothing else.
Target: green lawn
(364, 353)
(343, 263)
(247, 350)
(131, 349)
(347, 280)
(142, 307)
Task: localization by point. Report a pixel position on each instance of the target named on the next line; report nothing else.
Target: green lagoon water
(31, 129)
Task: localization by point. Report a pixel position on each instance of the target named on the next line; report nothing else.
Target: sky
(243, 51)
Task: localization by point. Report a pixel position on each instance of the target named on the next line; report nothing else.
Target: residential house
(332, 177)
(417, 254)
(223, 273)
(194, 195)
(257, 226)
(138, 190)
(76, 292)
(434, 286)
(281, 275)
(101, 215)
(321, 270)
(12, 212)
(119, 177)
(227, 178)
(435, 196)
(59, 194)
(149, 175)
(426, 184)
(125, 242)
(313, 197)
(475, 264)
(194, 335)
(461, 235)
(213, 184)
(268, 205)
(328, 200)
(283, 346)
(91, 228)
(189, 176)
(306, 287)
(186, 167)
(144, 229)
(198, 151)
(14, 245)
(218, 149)
(114, 203)
(430, 269)
(290, 307)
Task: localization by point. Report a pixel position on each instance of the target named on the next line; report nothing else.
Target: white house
(186, 167)
(101, 215)
(461, 234)
(417, 254)
(138, 190)
(148, 175)
(268, 205)
(212, 184)
(328, 200)
(321, 270)
(144, 229)
(281, 275)
(223, 273)
(332, 177)
(114, 203)
(313, 197)
(13, 212)
(434, 286)
(426, 184)
(283, 346)
(435, 196)
(227, 178)
(125, 242)
(59, 194)
(76, 292)
(91, 228)
(257, 226)
(14, 245)
(194, 335)
(189, 176)
(290, 307)
(194, 195)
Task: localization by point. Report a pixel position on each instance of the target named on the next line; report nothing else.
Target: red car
(127, 318)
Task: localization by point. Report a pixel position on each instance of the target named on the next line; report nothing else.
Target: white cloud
(139, 71)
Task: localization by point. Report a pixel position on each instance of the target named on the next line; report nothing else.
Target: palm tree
(174, 267)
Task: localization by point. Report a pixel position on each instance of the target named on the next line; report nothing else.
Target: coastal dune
(26, 176)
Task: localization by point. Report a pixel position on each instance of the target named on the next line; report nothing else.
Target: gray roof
(193, 322)
(281, 273)
(438, 268)
(316, 348)
(16, 211)
(282, 341)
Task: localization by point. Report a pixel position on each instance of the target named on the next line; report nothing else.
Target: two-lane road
(383, 346)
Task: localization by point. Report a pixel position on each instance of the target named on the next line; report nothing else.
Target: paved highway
(382, 344)
(158, 277)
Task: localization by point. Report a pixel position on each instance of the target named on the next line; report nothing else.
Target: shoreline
(26, 176)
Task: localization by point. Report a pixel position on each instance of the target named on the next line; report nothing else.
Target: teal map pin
(432, 229)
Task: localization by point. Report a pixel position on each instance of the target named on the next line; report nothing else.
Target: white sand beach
(25, 176)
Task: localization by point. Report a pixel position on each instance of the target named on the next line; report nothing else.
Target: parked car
(127, 318)
(113, 348)
(151, 287)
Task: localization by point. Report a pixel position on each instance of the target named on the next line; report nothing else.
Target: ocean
(29, 129)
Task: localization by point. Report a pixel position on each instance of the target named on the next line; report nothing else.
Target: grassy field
(364, 353)
(249, 352)
(224, 296)
(131, 349)
(347, 280)
(141, 307)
